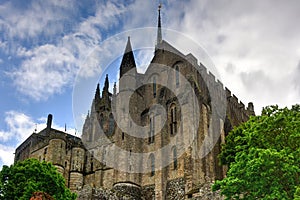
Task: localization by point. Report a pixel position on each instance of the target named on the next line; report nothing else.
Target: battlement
(191, 58)
(218, 88)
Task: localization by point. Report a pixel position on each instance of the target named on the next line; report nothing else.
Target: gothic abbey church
(156, 136)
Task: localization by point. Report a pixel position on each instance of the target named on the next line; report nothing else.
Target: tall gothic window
(173, 124)
(152, 129)
(152, 164)
(174, 157)
(101, 120)
(111, 124)
(177, 75)
(154, 86)
(92, 166)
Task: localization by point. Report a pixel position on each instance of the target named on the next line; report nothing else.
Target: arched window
(101, 120)
(152, 164)
(174, 157)
(173, 124)
(177, 75)
(152, 129)
(111, 124)
(154, 86)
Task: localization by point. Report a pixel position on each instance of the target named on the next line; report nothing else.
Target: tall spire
(106, 84)
(128, 61)
(159, 35)
(105, 88)
(105, 92)
(97, 93)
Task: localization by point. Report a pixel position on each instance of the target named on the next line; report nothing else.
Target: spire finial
(97, 93)
(106, 84)
(159, 35)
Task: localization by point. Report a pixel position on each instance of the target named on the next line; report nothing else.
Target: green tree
(19, 181)
(297, 194)
(263, 156)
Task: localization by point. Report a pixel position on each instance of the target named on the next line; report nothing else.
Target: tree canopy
(19, 181)
(263, 156)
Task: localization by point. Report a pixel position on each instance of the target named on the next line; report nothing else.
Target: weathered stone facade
(175, 160)
(65, 151)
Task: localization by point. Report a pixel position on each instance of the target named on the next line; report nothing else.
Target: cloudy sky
(47, 47)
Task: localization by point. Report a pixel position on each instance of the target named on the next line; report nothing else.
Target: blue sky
(45, 45)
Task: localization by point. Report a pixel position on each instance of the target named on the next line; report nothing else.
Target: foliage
(297, 193)
(263, 156)
(19, 181)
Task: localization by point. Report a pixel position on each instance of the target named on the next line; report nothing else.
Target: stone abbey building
(156, 137)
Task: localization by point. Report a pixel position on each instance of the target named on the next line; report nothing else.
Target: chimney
(250, 109)
(250, 106)
(49, 122)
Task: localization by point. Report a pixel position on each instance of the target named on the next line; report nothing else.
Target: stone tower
(157, 137)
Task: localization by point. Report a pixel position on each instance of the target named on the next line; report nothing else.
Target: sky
(53, 53)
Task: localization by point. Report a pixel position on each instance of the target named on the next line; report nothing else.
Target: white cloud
(107, 16)
(34, 18)
(48, 69)
(6, 155)
(254, 36)
(19, 125)
(44, 71)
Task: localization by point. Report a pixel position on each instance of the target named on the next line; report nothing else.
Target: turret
(128, 61)
(86, 135)
(97, 93)
(105, 92)
(49, 122)
(76, 170)
(128, 70)
(250, 109)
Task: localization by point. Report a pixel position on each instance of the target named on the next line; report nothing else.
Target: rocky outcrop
(89, 193)
(205, 193)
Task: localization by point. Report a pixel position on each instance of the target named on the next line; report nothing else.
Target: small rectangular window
(154, 87)
(177, 75)
(152, 130)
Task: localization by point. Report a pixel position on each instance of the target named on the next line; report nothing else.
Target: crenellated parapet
(235, 108)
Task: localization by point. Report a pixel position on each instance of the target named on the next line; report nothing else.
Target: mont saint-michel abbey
(157, 135)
